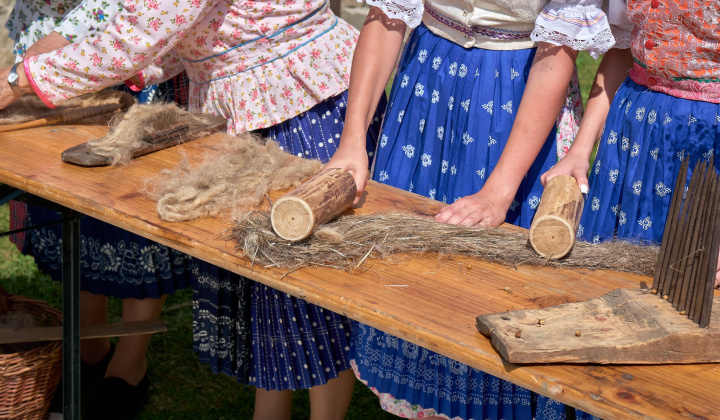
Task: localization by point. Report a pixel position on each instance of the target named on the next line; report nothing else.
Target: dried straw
(134, 129)
(236, 176)
(30, 107)
(350, 241)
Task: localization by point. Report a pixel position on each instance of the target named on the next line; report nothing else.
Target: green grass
(183, 388)
(587, 66)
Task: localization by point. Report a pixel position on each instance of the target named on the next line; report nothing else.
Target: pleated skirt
(451, 111)
(647, 136)
(261, 336)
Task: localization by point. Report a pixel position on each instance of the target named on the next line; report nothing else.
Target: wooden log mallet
(555, 225)
(295, 215)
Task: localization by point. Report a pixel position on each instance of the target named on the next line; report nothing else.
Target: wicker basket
(28, 379)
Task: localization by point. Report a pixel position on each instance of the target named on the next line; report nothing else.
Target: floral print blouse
(31, 20)
(256, 62)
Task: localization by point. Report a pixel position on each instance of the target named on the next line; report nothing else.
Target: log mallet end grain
(295, 215)
(555, 225)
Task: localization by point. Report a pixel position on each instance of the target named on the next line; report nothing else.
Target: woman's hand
(7, 95)
(575, 166)
(353, 159)
(487, 207)
(48, 43)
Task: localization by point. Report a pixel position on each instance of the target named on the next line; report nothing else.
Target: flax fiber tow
(138, 126)
(236, 176)
(350, 241)
(30, 107)
(233, 178)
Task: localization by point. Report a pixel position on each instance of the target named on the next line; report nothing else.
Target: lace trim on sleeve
(581, 27)
(622, 35)
(409, 11)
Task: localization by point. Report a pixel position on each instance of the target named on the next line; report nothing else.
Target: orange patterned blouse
(676, 47)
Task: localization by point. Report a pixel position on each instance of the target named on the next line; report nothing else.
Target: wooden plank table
(435, 306)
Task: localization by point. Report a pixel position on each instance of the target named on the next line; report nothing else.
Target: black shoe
(90, 378)
(92, 375)
(118, 400)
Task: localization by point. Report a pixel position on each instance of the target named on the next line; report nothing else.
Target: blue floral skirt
(261, 336)
(450, 115)
(647, 136)
(113, 261)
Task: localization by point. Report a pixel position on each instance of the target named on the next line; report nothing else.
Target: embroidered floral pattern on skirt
(647, 135)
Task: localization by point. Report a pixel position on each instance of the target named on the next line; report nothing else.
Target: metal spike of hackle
(685, 269)
(670, 232)
(696, 273)
(350, 242)
(708, 264)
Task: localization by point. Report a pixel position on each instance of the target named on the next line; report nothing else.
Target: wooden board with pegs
(673, 322)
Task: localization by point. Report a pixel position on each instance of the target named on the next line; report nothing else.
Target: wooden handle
(21, 126)
(295, 215)
(555, 225)
(64, 117)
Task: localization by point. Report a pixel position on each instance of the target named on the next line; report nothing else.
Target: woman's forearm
(374, 59)
(544, 96)
(613, 70)
(135, 39)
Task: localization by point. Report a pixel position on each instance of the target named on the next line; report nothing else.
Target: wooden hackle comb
(685, 269)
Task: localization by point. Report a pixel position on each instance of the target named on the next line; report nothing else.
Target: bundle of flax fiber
(350, 241)
(233, 178)
(30, 107)
(241, 171)
(147, 128)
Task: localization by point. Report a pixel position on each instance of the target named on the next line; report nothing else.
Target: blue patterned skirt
(113, 261)
(451, 111)
(450, 115)
(261, 336)
(647, 135)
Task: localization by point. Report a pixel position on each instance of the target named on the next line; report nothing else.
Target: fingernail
(584, 189)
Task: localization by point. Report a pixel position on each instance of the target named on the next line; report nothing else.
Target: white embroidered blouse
(507, 24)
(591, 25)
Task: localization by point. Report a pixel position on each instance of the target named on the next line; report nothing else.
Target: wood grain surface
(625, 326)
(429, 300)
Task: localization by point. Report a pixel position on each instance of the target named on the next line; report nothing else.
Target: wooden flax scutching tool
(555, 225)
(165, 126)
(295, 215)
(673, 322)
